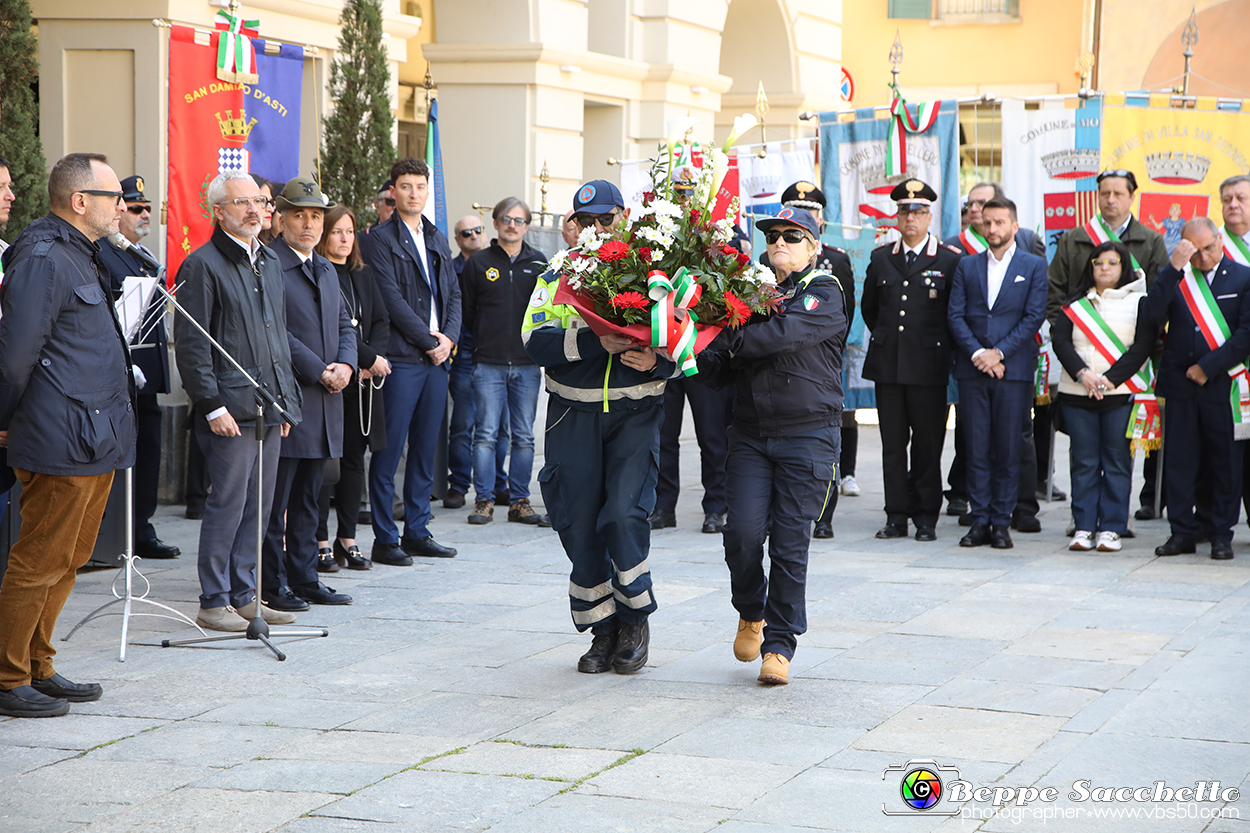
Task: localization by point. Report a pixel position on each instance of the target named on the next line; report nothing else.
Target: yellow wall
(1033, 57)
(1132, 32)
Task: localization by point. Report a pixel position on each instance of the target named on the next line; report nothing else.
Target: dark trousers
(349, 489)
(712, 411)
(197, 483)
(775, 488)
(414, 400)
(291, 538)
(912, 415)
(599, 488)
(1030, 468)
(1198, 433)
(996, 411)
(846, 461)
(147, 473)
(1043, 415)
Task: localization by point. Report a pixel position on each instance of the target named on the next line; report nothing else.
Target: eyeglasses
(1120, 172)
(514, 221)
(469, 232)
(977, 203)
(1213, 247)
(915, 212)
(1105, 264)
(790, 235)
(244, 202)
(139, 209)
(116, 195)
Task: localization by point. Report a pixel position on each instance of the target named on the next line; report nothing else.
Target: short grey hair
(217, 188)
(1201, 222)
(1231, 181)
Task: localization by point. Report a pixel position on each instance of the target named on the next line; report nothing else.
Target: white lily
(675, 129)
(742, 124)
(720, 167)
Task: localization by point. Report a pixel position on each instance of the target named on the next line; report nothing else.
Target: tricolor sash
(972, 242)
(1145, 424)
(901, 123)
(1041, 376)
(1235, 247)
(1206, 313)
(1100, 233)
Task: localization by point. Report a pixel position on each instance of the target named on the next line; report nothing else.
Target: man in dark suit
(997, 305)
(323, 354)
(411, 260)
(1194, 378)
(906, 291)
(150, 355)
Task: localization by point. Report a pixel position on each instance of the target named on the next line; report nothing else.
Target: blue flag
(434, 158)
(274, 102)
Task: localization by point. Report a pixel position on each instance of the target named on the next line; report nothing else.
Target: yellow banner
(1179, 156)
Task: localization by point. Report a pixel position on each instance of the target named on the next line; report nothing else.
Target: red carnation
(629, 300)
(647, 197)
(613, 250)
(736, 311)
(644, 254)
(743, 258)
(728, 250)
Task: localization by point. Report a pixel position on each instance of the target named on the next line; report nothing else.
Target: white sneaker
(1108, 542)
(1082, 541)
(849, 487)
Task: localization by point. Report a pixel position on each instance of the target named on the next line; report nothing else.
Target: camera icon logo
(921, 787)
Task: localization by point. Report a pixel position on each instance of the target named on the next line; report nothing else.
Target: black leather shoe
(350, 557)
(544, 521)
(156, 548)
(663, 520)
(454, 499)
(1146, 513)
(965, 519)
(62, 689)
(284, 599)
(1055, 492)
(390, 554)
(26, 701)
(713, 522)
(365, 517)
(631, 648)
(325, 560)
(926, 533)
(599, 658)
(824, 529)
(978, 536)
(319, 594)
(892, 531)
(1175, 545)
(426, 547)
(195, 511)
(956, 507)
(1221, 550)
(1026, 523)
(1000, 537)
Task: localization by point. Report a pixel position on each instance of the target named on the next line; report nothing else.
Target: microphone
(118, 240)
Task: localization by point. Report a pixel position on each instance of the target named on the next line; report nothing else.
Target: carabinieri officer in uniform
(783, 443)
(906, 290)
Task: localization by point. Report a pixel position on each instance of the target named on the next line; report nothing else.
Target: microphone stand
(257, 628)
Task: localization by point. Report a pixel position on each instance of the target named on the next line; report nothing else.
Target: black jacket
(151, 352)
(497, 292)
(373, 334)
(66, 396)
(786, 368)
(389, 250)
(244, 309)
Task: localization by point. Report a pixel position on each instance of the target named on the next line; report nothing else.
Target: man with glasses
(66, 416)
(384, 202)
(232, 285)
(497, 284)
(150, 355)
(906, 291)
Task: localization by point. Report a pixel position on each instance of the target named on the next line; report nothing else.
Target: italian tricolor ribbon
(901, 123)
(236, 59)
(1145, 424)
(1100, 233)
(1041, 376)
(1235, 247)
(1211, 323)
(672, 316)
(972, 242)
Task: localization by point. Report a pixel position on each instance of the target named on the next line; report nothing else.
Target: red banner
(207, 134)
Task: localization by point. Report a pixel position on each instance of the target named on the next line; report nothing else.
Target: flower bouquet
(669, 278)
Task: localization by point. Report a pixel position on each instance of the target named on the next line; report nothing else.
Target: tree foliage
(19, 116)
(358, 150)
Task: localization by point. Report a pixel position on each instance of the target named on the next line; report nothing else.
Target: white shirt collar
(1119, 231)
(1011, 250)
(251, 245)
(918, 248)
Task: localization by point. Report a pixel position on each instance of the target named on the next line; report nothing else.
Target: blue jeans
(460, 432)
(1101, 468)
(498, 388)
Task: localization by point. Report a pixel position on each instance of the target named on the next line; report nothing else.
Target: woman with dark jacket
(784, 440)
(365, 427)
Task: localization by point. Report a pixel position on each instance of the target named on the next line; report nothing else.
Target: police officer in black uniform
(909, 358)
(150, 354)
(836, 262)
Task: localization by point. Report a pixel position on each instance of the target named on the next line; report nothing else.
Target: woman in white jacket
(1101, 343)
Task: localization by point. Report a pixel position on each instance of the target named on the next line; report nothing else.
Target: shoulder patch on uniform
(951, 248)
(540, 297)
(538, 317)
(810, 302)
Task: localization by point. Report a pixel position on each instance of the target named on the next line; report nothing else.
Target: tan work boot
(271, 616)
(775, 670)
(221, 619)
(483, 512)
(747, 642)
(522, 513)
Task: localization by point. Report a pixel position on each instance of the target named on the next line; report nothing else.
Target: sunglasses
(388, 202)
(605, 220)
(790, 235)
(138, 209)
(514, 221)
(469, 232)
(116, 195)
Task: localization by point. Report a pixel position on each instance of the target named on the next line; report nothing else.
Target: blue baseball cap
(598, 197)
(800, 217)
